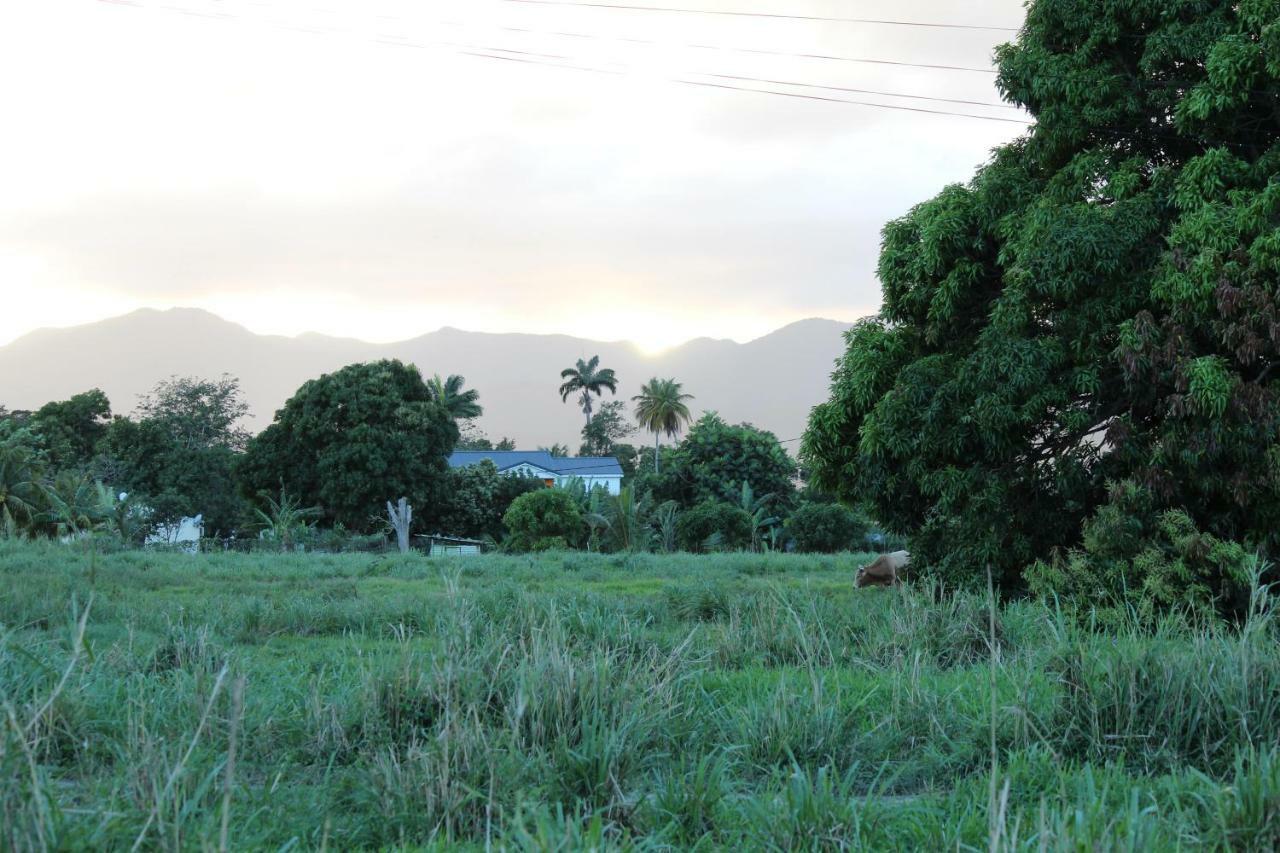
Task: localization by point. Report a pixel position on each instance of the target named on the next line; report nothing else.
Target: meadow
(582, 701)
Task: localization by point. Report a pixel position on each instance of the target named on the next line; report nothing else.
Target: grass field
(565, 702)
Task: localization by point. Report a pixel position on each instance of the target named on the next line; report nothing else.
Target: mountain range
(771, 382)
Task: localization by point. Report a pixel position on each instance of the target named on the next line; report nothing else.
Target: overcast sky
(348, 167)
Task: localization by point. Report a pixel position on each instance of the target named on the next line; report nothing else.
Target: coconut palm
(589, 378)
(23, 493)
(461, 405)
(75, 504)
(660, 408)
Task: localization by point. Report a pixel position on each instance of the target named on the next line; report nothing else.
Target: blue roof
(584, 466)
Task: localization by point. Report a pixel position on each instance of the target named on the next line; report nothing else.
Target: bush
(714, 526)
(1153, 562)
(826, 528)
(543, 519)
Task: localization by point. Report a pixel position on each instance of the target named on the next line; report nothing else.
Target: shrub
(1135, 557)
(542, 520)
(712, 525)
(826, 528)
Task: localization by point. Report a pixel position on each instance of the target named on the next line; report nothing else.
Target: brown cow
(883, 570)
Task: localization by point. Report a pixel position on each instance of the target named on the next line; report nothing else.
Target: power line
(775, 15)
(863, 91)
(1023, 122)
(564, 62)
(754, 51)
(688, 45)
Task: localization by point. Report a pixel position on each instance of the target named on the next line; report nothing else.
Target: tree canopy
(351, 440)
(716, 458)
(69, 430)
(198, 413)
(1097, 305)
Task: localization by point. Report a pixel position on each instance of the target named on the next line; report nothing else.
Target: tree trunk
(657, 436)
(401, 515)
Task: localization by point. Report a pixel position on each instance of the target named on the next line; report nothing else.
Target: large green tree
(70, 430)
(351, 440)
(198, 413)
(606, 430)
(1097, 305)
(160, 469)
(476, 498)
(716, 459)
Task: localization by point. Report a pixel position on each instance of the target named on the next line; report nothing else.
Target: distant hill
(771, 382)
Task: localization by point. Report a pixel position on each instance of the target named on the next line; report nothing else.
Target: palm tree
(461, 405)
(23, 493)
(660, 408)
(589, 378)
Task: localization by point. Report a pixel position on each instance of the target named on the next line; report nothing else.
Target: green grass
(576, 701)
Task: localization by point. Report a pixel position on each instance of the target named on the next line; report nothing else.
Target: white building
(552, 470)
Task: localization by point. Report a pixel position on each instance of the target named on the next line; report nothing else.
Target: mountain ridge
(771, 381)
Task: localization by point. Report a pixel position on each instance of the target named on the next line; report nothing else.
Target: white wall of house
(612, 483)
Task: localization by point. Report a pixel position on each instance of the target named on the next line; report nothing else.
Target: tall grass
(625, 701)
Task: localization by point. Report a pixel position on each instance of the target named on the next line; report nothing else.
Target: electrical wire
(773, 15)
(564, 62)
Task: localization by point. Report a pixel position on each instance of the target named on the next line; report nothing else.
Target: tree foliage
(1097, 305)
(606, 430)
(198, 413)
(476, 499)
(23, 492)
(69, 430)
(714, 525)
(826, 528)
(587, 378)
(350, 440)
(178, 459)
(714, 461)
(661, 408)
(461, 405)
(544, 520)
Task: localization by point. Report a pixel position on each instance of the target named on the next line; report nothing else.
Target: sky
(379, 169)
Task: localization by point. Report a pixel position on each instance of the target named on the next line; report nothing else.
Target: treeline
(345, 443)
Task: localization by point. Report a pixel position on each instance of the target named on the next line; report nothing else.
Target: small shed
(450, 546)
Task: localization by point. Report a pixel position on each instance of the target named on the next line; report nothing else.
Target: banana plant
(286, 519)
(764, 527)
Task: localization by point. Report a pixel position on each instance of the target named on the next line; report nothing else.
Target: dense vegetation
(320, 475)
(1084, 335)
(574, 700)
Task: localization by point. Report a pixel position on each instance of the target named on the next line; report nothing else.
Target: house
(552, 470)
